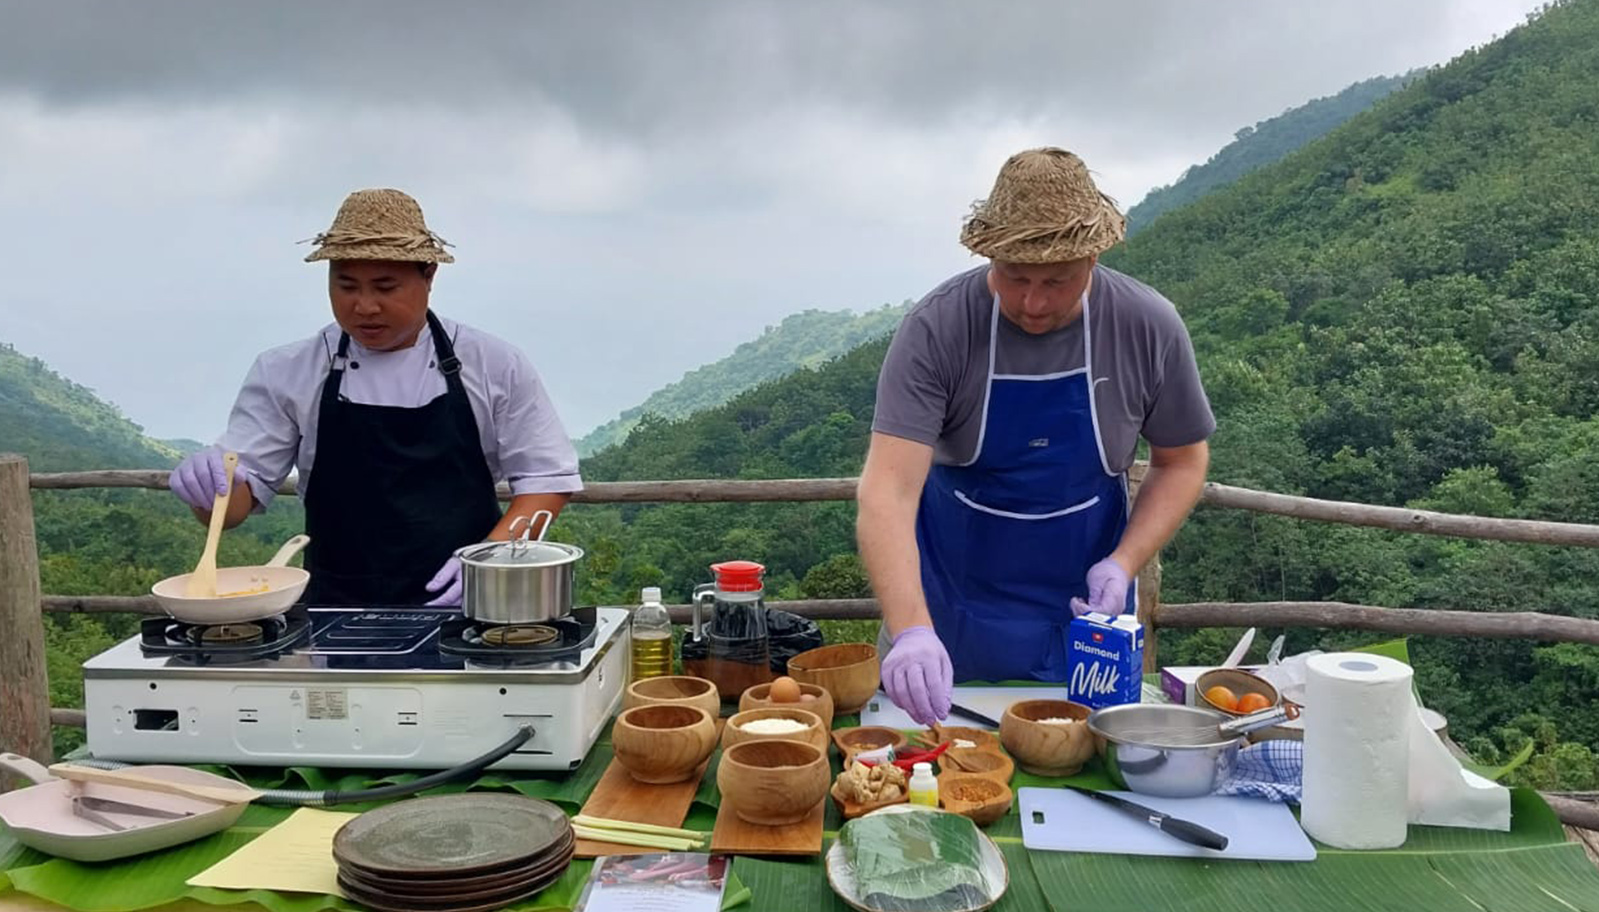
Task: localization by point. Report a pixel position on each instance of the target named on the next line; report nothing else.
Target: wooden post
(1148, 580)
(24, 685)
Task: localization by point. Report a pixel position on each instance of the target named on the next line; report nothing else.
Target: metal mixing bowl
(1164, 749)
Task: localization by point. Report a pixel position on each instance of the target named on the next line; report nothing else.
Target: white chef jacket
(274, 420)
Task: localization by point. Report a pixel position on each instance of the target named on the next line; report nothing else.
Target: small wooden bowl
(849, 810)
(849, 671)
(681, 690)
(974, 761)
(981, 738)
(662, 743)
(813, 733)
(772, 783)
(757, 697)
(1239, 682)
(1048, 749)
(977, 797)
(852, 741)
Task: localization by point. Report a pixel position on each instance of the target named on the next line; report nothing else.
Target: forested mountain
(1262, 144)
(802, 340)
(1405, 312)
(62, 426)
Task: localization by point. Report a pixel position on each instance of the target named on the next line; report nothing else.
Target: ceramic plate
(841, 877)
(449, 890)
(449, 835)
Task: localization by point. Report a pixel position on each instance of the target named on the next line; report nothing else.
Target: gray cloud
(633, 187)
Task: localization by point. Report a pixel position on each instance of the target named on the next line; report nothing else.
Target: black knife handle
(1193, 833)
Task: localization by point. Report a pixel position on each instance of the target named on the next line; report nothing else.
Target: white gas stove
(375, 688)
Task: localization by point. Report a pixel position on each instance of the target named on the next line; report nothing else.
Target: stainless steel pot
(519, 581)
(1172, 751)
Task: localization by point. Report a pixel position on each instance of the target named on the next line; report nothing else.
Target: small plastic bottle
(652, 636)
(923, 785)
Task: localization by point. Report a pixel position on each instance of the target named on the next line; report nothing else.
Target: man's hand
(917, 675)
(200, 478)
(448, 579)
(1107, 589)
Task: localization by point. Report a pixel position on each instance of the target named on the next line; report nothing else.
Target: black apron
(393, 491)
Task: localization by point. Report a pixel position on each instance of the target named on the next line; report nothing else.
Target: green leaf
(1496, 773)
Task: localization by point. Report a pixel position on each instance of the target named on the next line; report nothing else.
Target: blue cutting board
(1061, 820)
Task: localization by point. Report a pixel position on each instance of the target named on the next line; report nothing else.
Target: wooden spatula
(203, 581)
(133, 779)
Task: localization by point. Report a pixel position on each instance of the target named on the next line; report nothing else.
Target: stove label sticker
(325, 704)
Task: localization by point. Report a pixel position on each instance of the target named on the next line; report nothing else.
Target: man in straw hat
(399, 421)
(993, 504)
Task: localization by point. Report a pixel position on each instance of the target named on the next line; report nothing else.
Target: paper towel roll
(1358, 712)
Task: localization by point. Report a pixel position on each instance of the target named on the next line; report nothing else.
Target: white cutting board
(1069, 822)
(990, 701)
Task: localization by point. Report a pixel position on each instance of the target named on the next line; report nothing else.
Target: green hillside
(1262, 144)
(802, 340)
(1404, 312)
(62, 426)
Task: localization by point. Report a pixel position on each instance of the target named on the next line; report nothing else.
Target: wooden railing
(25, 715)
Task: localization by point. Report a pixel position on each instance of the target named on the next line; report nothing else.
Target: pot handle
(1257, 720)
(525, 523)
(289, 549)
(31, 770)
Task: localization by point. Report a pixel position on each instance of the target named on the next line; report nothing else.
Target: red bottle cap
(738, 575)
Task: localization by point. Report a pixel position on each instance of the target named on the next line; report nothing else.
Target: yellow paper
(295, 856)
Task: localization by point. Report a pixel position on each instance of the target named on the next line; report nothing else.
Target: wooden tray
(619, 796)
(736, 837)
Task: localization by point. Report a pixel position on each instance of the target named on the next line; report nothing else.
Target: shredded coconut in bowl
(962, 742)
(1056, 720)
(773, 726)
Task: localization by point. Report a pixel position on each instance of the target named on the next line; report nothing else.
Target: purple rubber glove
(200, 479)
(1107, 590)
(448, 579)
(917, 675)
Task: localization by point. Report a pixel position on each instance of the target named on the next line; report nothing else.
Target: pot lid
(520, 553)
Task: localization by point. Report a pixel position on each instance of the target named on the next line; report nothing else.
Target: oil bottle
(652, 636)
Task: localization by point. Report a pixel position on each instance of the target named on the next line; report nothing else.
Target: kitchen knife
(956, 709)
(1188, 831)
(96, 803)
(1240, 650)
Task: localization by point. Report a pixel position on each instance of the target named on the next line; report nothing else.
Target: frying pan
(267, 591)
(42, 815)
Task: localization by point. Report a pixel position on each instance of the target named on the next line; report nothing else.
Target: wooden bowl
(771, 783)
(813, 733)
(974, 761)
(673, 690)
(659, 743)
(849, 671)
(977, 797)
(757, 697)
(1044, 748)
(1239, 682)
(982, 738)
(852, 741)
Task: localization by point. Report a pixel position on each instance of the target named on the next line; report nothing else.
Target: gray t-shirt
(934, 381)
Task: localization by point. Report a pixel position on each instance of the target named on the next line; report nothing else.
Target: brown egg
(807, 698)
(785, 690)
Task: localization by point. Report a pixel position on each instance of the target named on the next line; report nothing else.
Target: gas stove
(375, 687)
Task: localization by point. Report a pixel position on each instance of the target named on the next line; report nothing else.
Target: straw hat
(1044, 208)
(380, 225)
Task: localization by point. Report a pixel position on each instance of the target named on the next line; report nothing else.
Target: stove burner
(520, 635)
(521, 645)
(210, 644)
(236, 634)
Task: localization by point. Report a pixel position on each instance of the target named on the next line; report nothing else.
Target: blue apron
(1006, 540)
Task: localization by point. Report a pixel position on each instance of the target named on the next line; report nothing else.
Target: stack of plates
(452, 853)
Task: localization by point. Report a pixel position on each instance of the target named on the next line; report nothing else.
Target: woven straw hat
(380, 225)
(1044, 208)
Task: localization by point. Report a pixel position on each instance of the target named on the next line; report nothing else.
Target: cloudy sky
(633, 188)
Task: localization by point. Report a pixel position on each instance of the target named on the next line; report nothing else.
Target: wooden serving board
(735, 837)
(619, 796)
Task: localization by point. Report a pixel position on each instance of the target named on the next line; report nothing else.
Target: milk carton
(1104, 660)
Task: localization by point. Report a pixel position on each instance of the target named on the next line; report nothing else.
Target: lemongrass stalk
(603, 823)
(624, 837)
